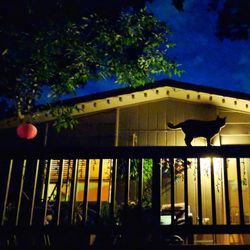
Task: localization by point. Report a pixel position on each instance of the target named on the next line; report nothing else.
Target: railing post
(45, 196)
(186, 189)
(86, 192)
(213, 193)
(199, 190)
(34, 192)
(227, 202)
(99, 190)
(241, 208)
(73, 190)
(156, 199)
(7, 192)
(113, 187)
(20, 192)
(172, 180)
(59, 191)
(127, 188)
(140, 183)
(127, 185)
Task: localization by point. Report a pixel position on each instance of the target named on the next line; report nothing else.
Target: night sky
(206, 59)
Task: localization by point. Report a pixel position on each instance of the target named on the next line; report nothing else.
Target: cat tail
(171, 125)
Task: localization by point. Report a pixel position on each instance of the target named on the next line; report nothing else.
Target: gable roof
(159, 84)
(159, 90)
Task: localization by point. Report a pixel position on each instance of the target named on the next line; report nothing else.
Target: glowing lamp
(26, 131)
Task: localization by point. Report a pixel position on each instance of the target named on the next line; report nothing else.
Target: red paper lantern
(26, 130)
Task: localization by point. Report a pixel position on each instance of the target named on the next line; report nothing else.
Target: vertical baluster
(160, 181)
(99, 191)
(228, 220)
(199, 190)
(59, 191)
(86, 192)
(20, 192)
(67, 181)
(213, 193)
(241, 208)
(156, 199)
(127, 184)
(186, 189)
(46, 188)
(7, 192)
(34, 192)
(73, 190)
(156, 189)
(140, 183)
(172, 180)
(113, 186)
(187, 219)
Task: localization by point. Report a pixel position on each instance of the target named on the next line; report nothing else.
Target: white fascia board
(144, 96)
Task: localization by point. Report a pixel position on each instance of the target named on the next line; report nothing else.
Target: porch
(125, 197)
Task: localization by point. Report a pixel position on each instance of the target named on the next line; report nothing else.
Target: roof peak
(158, 84)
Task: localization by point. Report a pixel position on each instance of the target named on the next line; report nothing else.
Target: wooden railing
(30, 216)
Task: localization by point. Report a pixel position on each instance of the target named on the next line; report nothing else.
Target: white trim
(146, 96)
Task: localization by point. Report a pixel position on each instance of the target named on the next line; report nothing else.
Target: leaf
(5, 52)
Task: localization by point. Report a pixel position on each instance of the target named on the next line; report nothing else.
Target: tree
(233, 19)
(60, 55)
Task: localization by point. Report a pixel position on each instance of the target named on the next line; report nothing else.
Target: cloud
(206, 59)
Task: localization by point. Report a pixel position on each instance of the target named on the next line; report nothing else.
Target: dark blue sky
(206, 59)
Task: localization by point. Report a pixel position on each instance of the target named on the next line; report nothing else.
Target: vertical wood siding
(148, 122)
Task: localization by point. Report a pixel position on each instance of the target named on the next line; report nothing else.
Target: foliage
(64, 119)
(233, 19)
(134, 176)
(178, 4)
(134, 169)
(166, 165)
(62, 56)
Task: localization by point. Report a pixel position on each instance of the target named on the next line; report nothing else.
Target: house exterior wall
(237, 130)
(96, 129)
(140, 125)
(145, 124)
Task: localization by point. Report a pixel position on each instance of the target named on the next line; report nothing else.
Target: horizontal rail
(96, 229)
(126, 152)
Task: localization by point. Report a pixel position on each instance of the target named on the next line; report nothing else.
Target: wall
(92, 130)
(237, 130)
(141, 125)
(145, 125)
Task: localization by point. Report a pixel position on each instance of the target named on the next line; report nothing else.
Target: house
(207, 186)
(129, 117)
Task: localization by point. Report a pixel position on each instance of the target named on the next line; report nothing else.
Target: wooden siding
(147, 122)
(92, 130)
(237, 130)
(96, 129)
(141, 125)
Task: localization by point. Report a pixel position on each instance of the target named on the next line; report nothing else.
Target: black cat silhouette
(197, 128)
